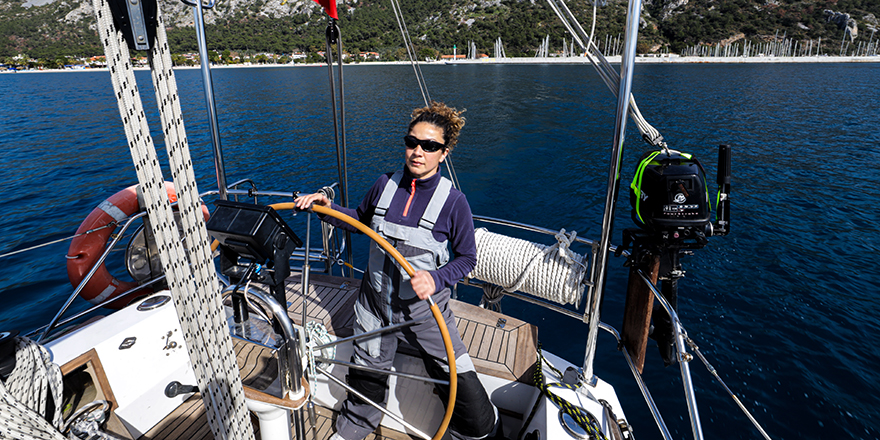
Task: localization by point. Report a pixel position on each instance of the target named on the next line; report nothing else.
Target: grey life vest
(416, 244)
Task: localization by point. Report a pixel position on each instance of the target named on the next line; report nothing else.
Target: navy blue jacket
(455, 224)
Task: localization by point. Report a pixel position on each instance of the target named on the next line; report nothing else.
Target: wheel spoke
(393, 416)
(383, 371)
(435, 312)
(372, 333)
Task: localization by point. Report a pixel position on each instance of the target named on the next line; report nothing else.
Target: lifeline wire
(9, 254)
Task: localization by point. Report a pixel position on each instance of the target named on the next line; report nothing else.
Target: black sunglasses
(429, 146)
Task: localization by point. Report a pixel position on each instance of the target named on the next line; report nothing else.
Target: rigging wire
(452, 175)
(606, 72)
(732, 395)
(420, 78)
(333, 34)
(410, 51)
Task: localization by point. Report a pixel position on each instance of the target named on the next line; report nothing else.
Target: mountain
(66, 27)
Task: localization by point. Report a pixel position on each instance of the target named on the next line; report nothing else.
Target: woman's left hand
(423, 284)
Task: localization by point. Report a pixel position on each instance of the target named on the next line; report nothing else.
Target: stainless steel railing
(333, 256)
(328, 256)
(585, 317)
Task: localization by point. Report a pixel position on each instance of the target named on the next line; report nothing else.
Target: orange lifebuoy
(86, 249)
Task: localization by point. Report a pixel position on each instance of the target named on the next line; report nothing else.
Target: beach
(665, 59)
(675, 59)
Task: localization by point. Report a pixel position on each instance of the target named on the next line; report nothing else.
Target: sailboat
(237, 327)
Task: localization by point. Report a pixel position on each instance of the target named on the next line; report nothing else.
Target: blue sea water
(785, 307)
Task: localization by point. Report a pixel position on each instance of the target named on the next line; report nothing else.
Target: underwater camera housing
(670, 196)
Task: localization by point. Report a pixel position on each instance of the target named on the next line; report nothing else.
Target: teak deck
(190, 422)
(499, 345)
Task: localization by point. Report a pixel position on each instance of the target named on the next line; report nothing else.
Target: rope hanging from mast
(188, 270)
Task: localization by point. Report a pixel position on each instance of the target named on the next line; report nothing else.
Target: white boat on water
(252, 335)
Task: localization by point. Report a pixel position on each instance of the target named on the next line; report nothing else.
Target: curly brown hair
(446, 118)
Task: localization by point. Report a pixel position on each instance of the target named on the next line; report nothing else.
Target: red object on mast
(329, 7)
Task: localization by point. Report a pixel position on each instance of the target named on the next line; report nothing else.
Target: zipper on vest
(412, 193)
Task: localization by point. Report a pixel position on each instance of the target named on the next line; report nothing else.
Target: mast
(597, 277)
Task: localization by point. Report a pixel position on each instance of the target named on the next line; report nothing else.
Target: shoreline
(675, 59)
(533, 60)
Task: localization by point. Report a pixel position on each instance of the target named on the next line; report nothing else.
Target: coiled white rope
(190, 277)
(24, 397)
(550, 272)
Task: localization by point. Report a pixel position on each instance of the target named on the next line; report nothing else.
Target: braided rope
(550, 272)
(583, 418)
(27, 390)
(492, 295)
(193, 284)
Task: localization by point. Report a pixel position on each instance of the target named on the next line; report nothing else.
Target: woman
(420, 213)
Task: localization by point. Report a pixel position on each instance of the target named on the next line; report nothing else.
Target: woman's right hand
(305, 202)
